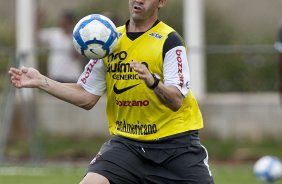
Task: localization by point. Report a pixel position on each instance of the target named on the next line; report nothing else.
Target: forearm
(170, 96)
(70, 92)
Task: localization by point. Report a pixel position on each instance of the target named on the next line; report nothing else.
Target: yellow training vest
(133, 110)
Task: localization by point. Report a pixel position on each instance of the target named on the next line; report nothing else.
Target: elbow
(174, 100)
(176, 105)
(175, 108)
(87, 106)
(88, 102)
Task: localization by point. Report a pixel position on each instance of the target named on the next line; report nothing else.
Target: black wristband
(156, 81)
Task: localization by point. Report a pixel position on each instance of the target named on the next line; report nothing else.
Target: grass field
(40, 175)
(231, 161)
(223, 174)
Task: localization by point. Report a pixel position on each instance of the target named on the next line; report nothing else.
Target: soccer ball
(95, 36)
(268, 169)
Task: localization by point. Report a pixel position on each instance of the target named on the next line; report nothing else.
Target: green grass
(35, 175)
(231, 161)
(223, 174)
(235, 174)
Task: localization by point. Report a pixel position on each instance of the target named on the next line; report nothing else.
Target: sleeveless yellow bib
(133, 109)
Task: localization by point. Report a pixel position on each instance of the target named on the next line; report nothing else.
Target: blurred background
(239, 80)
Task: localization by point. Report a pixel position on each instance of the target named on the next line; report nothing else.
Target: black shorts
(178, 160)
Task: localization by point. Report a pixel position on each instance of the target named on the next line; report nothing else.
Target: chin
(138, 18)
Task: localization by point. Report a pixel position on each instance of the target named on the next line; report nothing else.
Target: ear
(161, 3)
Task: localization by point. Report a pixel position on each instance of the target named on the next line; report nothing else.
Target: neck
(140, 26)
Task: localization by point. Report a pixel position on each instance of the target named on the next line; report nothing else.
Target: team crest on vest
(119, 34)
(156, 35)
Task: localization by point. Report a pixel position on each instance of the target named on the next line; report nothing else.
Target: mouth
(137, 7)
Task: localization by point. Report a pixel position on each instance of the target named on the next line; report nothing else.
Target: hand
(170, 96)
(24, 77)
(143, 72)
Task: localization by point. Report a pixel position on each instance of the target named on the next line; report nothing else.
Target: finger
(14, 71)
(17, 77)
(11, 71)
(133, 64)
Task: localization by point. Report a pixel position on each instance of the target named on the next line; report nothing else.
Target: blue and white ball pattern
(268, 169)
(95, 36)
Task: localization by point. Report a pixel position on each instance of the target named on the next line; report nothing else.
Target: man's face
(143, 9)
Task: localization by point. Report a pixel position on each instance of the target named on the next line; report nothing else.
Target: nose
(139, 1)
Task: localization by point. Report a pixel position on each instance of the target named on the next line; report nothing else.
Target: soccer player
(153, 116)
(278, 46)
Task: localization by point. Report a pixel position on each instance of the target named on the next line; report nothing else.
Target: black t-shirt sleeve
(173, 40)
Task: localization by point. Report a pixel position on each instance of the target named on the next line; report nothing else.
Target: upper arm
(93, 78)
(176, 67)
